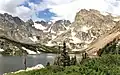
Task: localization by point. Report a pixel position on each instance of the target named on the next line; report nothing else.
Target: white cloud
(114, 7)
(11, 7)
(38, 7)
(47, 4)
(68, 11)
(23, 12)
(57, 2)
(64, 9)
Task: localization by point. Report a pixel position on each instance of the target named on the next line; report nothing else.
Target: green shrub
(105, 65)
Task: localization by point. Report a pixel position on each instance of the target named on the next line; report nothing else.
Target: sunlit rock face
(26, 33)
(14, 28)
(89, 25)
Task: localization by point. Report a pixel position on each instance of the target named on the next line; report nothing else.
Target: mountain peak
(89, 25)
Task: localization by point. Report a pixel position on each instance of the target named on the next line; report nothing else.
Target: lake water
(14, 63)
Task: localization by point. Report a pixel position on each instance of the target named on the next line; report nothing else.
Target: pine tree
(65, 56)
(48, 64)
(73, 60)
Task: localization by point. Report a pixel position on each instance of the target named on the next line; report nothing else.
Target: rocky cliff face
(89, 25)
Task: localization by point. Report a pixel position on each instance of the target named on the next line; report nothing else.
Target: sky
(52, 10)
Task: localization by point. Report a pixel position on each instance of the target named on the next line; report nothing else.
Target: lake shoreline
(15, 63)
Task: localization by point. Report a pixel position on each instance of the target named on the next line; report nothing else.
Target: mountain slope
(90, 31)
(107, 38)
(17, 36)
(89, 25)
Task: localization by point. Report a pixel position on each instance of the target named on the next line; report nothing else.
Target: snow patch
(75, 40)
(49, 23)
(69, 45)
(60, 32)
(38, 52)
(85, 29)
(116, 19)
(104, 13)
(73, 33)
(29, 51)
(85, 46)
(50, 28)
(65, 26)
(53, 32)
(34, 39)
(39, 26)
(94, 54)
(39, 66)
(75, 50)
(53, 37)
(50, 44)
(1, 50)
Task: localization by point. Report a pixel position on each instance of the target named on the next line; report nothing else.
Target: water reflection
(13, 63)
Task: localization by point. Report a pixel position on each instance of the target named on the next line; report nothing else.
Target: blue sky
(44, 14)
(26, 3)
(55, 9)
(35, 1)
(47, 15)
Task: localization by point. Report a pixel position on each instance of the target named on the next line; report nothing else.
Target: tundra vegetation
(107, 64)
